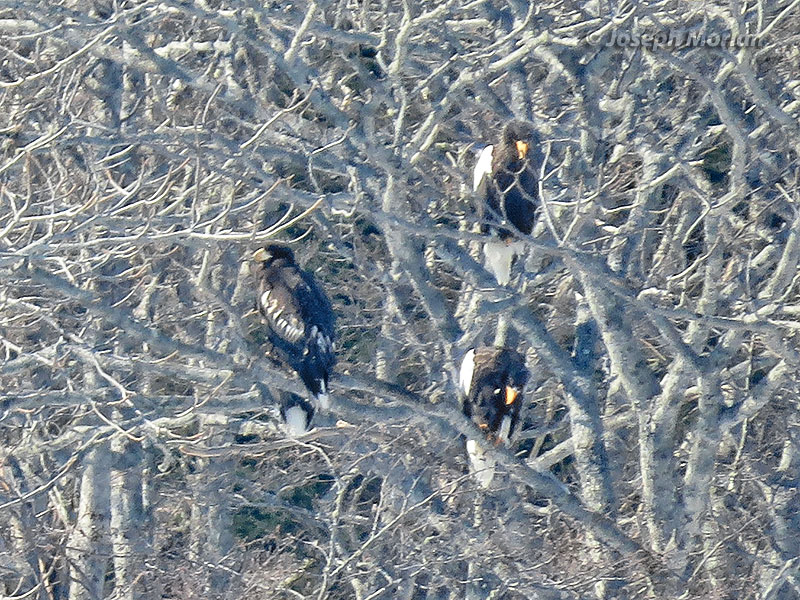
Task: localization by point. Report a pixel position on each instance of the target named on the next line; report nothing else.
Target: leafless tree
(148, 147)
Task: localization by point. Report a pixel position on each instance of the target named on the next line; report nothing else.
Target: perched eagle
(492, 381)
(300, 321)
(507, 195)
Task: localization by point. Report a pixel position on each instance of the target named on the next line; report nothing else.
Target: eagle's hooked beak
(522, 149)
(511, 395)
(261, 255)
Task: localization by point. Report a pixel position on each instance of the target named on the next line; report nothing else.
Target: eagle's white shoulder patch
(483, 167)
(467, 371)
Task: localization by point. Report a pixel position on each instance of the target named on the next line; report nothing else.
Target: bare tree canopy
(148, 148)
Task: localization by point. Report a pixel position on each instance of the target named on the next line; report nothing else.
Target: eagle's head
(496, 394)
(518, 137)
(267, 254)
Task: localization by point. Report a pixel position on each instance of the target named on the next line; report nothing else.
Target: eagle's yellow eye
(522, 149)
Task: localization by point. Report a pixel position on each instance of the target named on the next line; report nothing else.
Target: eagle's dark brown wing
(300, 322)
(280, 305)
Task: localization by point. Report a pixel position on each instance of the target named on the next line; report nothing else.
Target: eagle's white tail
(323, 399)
(481, 465)
(499, 256)
(297, 421)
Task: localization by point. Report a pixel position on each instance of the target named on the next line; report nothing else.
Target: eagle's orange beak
(511, 395)
(522, 149)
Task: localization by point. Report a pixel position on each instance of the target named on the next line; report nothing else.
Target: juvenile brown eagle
(299, 319)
